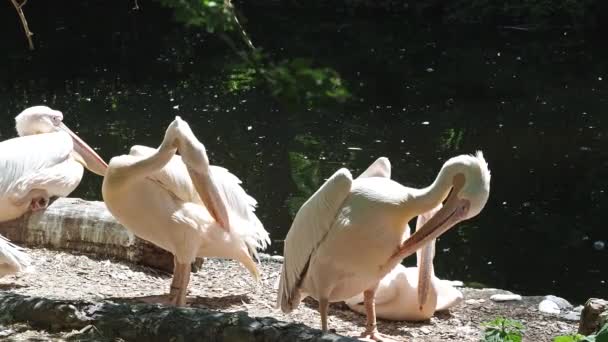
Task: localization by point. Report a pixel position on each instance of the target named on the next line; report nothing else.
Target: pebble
(474, 301)
(548, 306)
(505, 297)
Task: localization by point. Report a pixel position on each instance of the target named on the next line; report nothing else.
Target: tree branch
(108, 320)
(28, 34)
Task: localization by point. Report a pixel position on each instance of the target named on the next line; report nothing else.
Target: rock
(549, 307)
(593, 313)
(455, 283)
(572, 316)
(505, 297)
(561, 302)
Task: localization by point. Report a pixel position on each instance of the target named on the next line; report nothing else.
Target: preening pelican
(12, 258)
(412, 293)
(349, 234)
(184, 205)
(46, 160)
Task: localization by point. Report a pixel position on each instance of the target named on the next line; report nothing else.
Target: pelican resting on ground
(46, 160)
(12, 258)
(184, 205)
(412, 293)
(350, 233)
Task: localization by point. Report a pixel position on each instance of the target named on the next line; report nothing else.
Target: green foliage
(601, 336)
(298, 81)
(502, 330)
(571, 338)
(294, 81)
(213, 15)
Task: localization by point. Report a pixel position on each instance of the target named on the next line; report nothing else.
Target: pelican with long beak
(351, 233)
(46, 160)
(412, 293)
(184, 205)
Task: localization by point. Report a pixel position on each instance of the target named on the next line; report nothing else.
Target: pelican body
(184, 205)
(46, 160)
(351, 233)
(412, 293)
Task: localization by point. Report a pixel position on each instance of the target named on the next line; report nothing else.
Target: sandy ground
(224, 285)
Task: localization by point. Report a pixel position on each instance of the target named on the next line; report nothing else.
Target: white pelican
(12, 258)
(46, 160)
(412, 293)
(349, 234)
(184, 205)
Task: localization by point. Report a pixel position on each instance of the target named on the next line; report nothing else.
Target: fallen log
(146, 322)
(86, 227)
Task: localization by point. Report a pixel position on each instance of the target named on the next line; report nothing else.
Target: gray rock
(549, 307)
(503, 297)
(571, 316)
(561, 302)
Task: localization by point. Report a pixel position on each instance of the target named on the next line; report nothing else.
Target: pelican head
(475, 189)
(42, 119)
(38, 120)
(468, 178)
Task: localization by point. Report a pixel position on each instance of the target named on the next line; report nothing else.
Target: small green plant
(601, 336)
(571, 338)
(502, 330)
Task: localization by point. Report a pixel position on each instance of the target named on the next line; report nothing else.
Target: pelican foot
(39, 203)
(375, 336)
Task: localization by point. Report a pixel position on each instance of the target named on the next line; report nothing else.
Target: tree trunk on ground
(86, 227)
(592, 316)
(144, 322)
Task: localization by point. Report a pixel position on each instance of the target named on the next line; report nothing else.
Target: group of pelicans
(346, 242)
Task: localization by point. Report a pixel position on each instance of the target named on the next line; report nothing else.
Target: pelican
(12, 258)
(412, 293)
(46, 160)
(184, 205)
(350, 233)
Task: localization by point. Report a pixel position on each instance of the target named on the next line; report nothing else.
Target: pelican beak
(443, 220)
(210, 195)
(92, 161)
(425, 273)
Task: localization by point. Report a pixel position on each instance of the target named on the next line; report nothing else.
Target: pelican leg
(323, 308)
(371, 331)
(182, 273)
(175, 282)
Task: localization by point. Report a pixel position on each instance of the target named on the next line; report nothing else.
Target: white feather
(12, 258)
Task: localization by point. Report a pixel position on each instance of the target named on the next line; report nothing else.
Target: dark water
(535, 104)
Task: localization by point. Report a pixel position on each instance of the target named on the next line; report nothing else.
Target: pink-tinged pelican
(412, 293)
(12, 258)
(46, 160)
(349, 234)
(184, 205)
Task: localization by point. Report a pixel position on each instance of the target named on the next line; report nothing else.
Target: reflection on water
(534, 105)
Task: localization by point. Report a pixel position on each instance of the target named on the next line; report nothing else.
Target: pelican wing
(310, 226)
(175, 178)
(12, 258)
(23, 157)
(379, 168)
